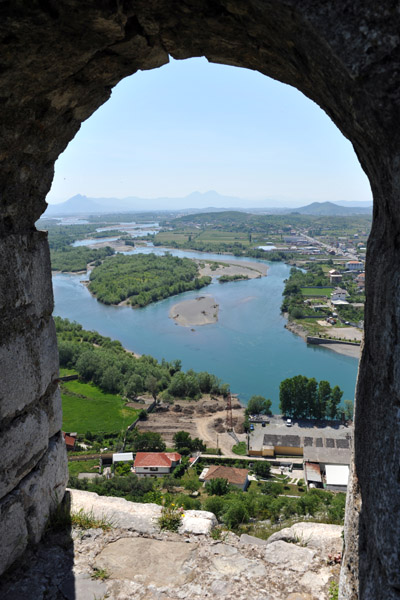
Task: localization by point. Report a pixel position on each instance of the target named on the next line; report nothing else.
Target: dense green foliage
(262, 468)
(144, 278)
(108, 365)
(258, 405)
(293, 299)
(227, 278)
(77, 258)
(183, 441)
(301, 397)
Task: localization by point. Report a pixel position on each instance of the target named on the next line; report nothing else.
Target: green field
(82, 466)
(87, 408)
(317, 291)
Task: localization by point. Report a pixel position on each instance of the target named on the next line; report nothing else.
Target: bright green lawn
(317, 291)
(87, 408)
(65, 372)
(240, 448)
(82, 466)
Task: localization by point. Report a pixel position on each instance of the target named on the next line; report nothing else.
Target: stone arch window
(58, 63)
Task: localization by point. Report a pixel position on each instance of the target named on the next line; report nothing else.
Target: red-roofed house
(69, 440)
(155, 464)
(234, 476)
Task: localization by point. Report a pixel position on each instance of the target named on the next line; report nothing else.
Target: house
(237, 477)
(338, 294)
(155, 464)
(360, 280)
(334, 276)
(337, 477)
(354, 265)
(70, 439)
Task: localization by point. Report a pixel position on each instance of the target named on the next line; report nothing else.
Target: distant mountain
(82, 205)
(330, 209)
(196, 201)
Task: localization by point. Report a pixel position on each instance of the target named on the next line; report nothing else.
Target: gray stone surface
(44, 487)
(250, 539)
(13, 531)
(321, 536)
(198, 522)
(29, 363)
(161, 563)
(289, 556)
(342, 55)
(82, 587)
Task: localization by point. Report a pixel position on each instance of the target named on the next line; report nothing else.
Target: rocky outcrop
(59, 63)
(137, 560)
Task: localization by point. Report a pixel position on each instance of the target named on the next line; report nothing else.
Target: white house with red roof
(155, 464)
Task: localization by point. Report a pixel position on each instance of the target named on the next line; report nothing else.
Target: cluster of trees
(185, 444)
(107, 364)
(301, 397)
(226, 278)
(144, 278)
(293, 299)
(71, 259)
(258, 405)
(230, 505)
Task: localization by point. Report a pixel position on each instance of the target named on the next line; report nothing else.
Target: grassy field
(240, 448)
(83, 466)
(317, 291)
(65, 372)
(87, 408)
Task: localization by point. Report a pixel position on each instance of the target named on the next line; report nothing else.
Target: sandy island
(202, 310)
(251, 270)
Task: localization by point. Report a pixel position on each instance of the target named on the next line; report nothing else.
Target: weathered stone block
(44, 487)
(21, 447)
(28, 363)
(25, 274)
(13, 531)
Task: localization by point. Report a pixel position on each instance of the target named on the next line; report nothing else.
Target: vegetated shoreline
(344, 349)
(202, 310)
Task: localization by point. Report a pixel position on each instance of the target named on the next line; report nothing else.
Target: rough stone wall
(59, 61)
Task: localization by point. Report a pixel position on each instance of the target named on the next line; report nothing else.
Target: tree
(348, 410)
(287, 397)
(217, 487)
(182, 439)
(262, 468)
(152, 386)
(111, 380)
(259, 405)
(236, 514)
(323, 398)
(334, 401)
(134, 386)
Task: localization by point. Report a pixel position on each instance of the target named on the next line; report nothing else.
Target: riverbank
(350, 350)
(202, 310)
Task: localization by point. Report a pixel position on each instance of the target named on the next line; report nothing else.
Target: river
(248, 347)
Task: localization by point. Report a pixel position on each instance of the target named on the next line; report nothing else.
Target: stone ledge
(134, 516)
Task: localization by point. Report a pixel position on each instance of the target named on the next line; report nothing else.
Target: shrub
(214, 504)
(170, 518)
(217, 487)
(236, 514)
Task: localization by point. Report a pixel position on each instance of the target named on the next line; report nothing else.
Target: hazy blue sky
(194, 126)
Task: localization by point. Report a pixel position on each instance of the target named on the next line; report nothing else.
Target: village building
(234, 476)
(354, 265)
(70, 440)
(156, 464)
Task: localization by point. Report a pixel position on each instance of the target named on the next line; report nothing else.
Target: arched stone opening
(59, 63)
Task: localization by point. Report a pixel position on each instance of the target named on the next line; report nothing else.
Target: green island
(144, 278)
(72, 259)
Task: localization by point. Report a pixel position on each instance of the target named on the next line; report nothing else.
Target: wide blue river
(248, 347)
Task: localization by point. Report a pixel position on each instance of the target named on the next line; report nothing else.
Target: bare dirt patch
(203, 418)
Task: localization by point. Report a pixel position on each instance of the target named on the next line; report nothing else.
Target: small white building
(354, 265)
(156, 464)
(337, 477)
(122, 457)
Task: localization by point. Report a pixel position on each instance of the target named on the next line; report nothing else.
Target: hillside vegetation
(144, 278)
